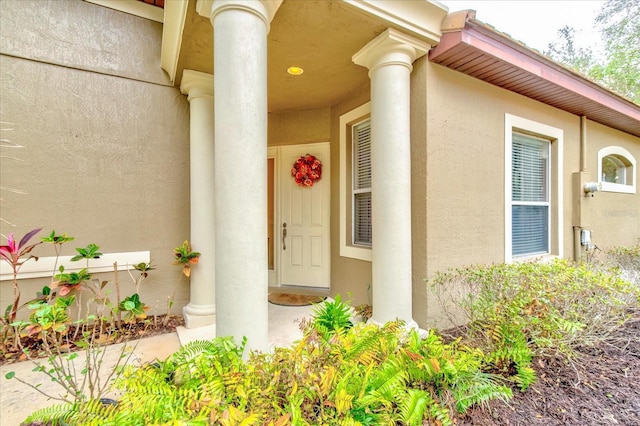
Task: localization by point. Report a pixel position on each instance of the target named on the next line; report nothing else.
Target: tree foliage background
(618, 68)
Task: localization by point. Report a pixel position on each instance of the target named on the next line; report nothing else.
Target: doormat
(286, 299)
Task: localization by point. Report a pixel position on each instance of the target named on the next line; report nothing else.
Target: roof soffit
(473, 48)
(321, 36)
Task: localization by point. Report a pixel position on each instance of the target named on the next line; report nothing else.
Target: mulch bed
(152, 326)
(600, 387)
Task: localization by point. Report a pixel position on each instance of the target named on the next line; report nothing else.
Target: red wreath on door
(307, 170)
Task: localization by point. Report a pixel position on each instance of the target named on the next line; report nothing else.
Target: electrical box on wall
(585, 238)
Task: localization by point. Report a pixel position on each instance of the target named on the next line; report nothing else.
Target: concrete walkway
(17, 400)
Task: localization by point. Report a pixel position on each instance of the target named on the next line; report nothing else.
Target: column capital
(389, 48)
(265, 9)
(196, 83)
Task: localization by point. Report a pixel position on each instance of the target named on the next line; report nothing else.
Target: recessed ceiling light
(295, 70)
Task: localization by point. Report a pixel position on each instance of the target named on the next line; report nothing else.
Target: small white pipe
(583, 143)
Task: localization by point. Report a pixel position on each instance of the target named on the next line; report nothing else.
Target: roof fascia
(420, 18)
(492, 43)
(542, 67)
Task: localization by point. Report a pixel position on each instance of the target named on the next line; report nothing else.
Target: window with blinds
(361, 190)
(530, 208)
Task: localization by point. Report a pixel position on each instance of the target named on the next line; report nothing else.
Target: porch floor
(283, 326)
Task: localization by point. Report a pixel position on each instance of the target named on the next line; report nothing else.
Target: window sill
(44, 267)
(617, 187)
(360, 253)
(540, 257)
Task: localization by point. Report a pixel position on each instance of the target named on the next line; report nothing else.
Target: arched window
(616, 170)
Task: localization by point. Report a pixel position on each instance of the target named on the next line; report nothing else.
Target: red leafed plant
(14, 254)
(307, 170)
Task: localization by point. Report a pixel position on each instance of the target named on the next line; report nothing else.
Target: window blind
(362, 234)
(530, 195)
(529, 169)
(362, 219)
(362, 155)
(530, 231)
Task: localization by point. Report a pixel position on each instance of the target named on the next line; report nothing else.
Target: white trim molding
(421, 18)
(175, 17)
(555, 136)
(346, 248)
(133, 7)
(628, 188)
(44, 266)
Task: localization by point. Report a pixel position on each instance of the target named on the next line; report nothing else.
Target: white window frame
(347, 120)
(618, 151)
(555, 136)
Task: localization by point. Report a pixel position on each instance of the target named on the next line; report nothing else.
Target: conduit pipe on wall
(579, 197)
(583, 143)
(576, 243)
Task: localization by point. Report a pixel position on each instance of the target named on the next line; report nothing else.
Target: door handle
(284, 235)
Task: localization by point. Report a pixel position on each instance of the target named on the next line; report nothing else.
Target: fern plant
(362, 375)
(332, 317)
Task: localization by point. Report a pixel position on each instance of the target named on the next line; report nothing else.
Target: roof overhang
(320, 36)
(476, 49)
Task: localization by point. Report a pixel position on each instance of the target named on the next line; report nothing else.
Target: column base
(198, 316)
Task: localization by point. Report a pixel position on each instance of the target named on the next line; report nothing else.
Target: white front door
(303, 227)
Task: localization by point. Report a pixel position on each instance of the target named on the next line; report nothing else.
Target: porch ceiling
(480, 51)
(318, 36)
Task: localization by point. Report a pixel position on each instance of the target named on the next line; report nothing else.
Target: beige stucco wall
(350, 278)
(105, 138)
(81, 35)
(461, 162)
(299, 127)
(613, 217)
(419, 175)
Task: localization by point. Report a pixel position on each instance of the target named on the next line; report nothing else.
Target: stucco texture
(299, 127)
(77, 34)
(459, 176)
(350, 278)
(614, 217)
(103, 157)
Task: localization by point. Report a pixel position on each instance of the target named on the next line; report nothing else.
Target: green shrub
(550, 306)
(366, 375)
(626, 260)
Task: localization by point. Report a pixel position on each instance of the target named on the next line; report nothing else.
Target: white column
(388, 58)
(240, 76)
(201, 308)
